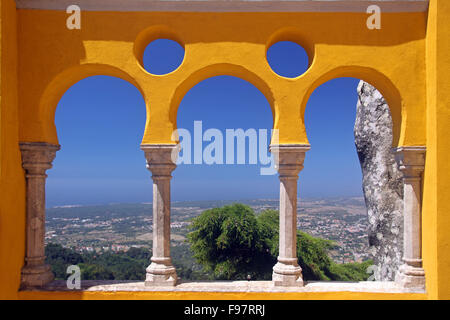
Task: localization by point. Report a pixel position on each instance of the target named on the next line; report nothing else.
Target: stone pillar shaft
(411, 161)
(35, 218)
(161, 162)
(289, 162)
(288, 217)
(37, 158)
(161, 216)
(412, 247)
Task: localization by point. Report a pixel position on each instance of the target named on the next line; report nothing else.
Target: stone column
(289, 162)
(411, 161)
(161, 162)
(37, 158)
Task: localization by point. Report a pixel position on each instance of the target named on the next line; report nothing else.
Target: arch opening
(383, 85)
(217, 113)
(55, 90)
(361, 192)
(211, 71)
(96, 174)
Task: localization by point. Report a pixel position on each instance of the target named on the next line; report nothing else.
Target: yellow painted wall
(429, 207)
(436, 212)
(12, 188)
(30, 295)
(407, 60)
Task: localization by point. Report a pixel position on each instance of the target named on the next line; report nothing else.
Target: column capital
(161, 158)
(289, 158)
(37, 157)
(410, 160)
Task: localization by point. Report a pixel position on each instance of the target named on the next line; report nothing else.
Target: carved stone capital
(411, 161)
(161, 159)
(289, 158)
(37, 157)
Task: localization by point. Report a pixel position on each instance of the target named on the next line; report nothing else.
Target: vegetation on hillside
(106, 265)
(227, 243)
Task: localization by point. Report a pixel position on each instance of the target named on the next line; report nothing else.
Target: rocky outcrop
(382, 180)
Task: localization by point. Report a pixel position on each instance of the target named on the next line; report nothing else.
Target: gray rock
(382, 181)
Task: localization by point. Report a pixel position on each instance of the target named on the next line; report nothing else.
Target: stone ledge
(229, 286)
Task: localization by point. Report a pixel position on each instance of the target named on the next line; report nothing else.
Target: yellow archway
(373, 77)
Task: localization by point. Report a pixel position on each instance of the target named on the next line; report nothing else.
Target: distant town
(119, 227)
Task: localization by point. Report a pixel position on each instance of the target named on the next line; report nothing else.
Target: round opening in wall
(287, 59)
(163, 56)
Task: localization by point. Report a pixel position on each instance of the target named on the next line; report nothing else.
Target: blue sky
(100, 122)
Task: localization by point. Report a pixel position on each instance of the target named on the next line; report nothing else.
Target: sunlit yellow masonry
(407, 60)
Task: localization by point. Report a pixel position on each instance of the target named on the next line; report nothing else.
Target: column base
(36, 276)
(287, 275)
(159, 274)
(410, 277)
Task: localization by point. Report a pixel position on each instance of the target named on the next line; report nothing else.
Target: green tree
(128, 265)
(95, 272)
(231, 242)
(351, 271)
(228, 243)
